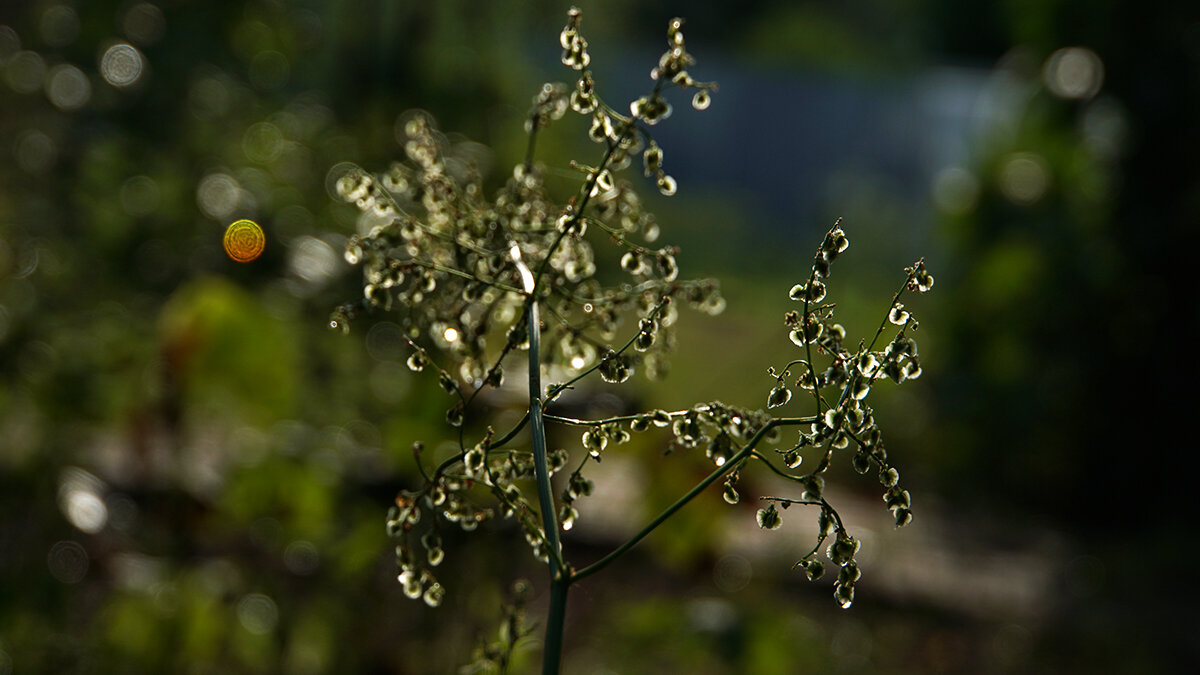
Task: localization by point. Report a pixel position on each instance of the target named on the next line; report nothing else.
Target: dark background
(194, 470)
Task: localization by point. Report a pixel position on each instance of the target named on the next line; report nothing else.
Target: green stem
(552, 654)
(555, 619)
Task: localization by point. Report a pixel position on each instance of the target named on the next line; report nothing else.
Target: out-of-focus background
(194, 470)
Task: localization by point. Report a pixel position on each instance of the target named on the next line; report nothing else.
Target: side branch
(682, 501)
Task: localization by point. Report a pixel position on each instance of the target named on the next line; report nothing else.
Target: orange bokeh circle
(244, 241)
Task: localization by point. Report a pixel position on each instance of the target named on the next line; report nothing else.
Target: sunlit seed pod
(594, 442)
(860, 389)
(644, 340)
(473, 460)
(867, 363)
(436, 556)
(604, 180)
(834, 418)
(567, 516)
(660, 418)
(889, 477)
(434, 594)
(894, 371)
(792, 459)
(813, 331)
(814, 486)
(713, 305)
(797, 339)
(849, 574)
(437, 496)
(840, 241)
(861, 463)
(798, 292)
(816, 291)
(652, 159)
(844, 595)
(841, 440)
(843, 549)
(615, 370)
(631, 262)
(779, 395)
(821, 267)
(640, 423)
(912, 369)
(416, 362)
(897, 498)
(855, 417)
(447, 383)
(903, 516)
(431, 540)
(413, 588)
(730, 494)
(898, 315)
(814, 569)
(701, 100)
(666, 185)
(825, 523)
(769, 518)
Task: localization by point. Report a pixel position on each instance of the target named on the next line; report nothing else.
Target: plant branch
(691, 494)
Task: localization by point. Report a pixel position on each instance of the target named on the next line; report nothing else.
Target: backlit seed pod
(814, 569)
(434, 594)
(666, 185)
(779, 396)
(594, 442)
(844, 595)
(730, 493)
(701, 100)
(898, 315)
(652, 159)
(567, 516)
(792, 459)
(849, 574)
(417, 361)
(867, 363)
(889, 477)
(897, 498)
(816, 291)
(843, 549)
(861, 462)
(903, 516)
(769, 518)
(454, 416)
(912, 369)
(821, 267)
(825, 523)
(814, 486)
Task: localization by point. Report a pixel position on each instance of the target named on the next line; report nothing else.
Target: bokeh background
(194, 470)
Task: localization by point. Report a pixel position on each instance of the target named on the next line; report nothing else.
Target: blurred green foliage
(194, 471)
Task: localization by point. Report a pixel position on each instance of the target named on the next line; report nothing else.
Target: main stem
(559, 580)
